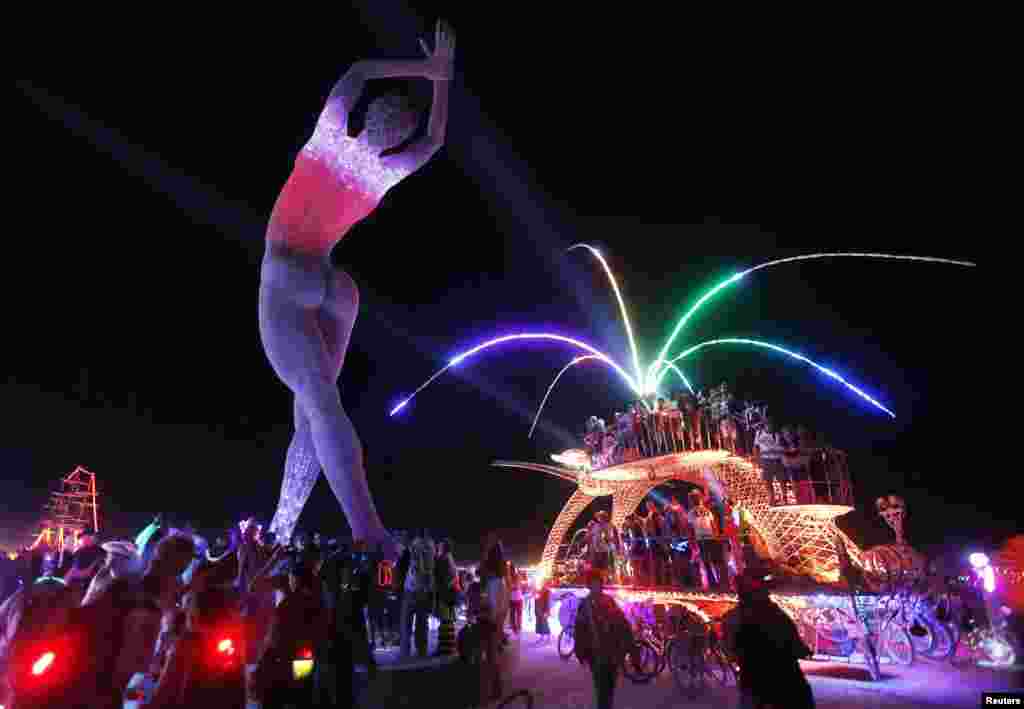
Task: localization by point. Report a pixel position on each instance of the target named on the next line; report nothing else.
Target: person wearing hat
(768, 647)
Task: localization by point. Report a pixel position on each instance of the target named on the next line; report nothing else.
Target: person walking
(603, 639)
(768, 646)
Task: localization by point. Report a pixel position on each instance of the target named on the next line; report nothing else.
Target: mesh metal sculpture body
(306, 307)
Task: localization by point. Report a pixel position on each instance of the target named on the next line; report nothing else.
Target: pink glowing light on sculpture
(306, 307)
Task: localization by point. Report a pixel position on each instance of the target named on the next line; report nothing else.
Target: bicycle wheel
(717, 667)
(566, 643)
(898, 644)
(641, 663)
(687, 670)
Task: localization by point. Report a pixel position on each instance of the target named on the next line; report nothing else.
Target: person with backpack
(768, 646)
(603, 639)
(418, 597)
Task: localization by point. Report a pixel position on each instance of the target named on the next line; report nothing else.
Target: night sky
(134, 347)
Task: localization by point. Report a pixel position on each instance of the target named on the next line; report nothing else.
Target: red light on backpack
(44, 663)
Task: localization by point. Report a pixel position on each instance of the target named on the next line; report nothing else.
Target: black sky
(143, 192)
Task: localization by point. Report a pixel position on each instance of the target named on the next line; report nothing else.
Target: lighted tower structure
(71, 510)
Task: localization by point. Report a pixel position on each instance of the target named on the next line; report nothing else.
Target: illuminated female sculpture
(306, 307)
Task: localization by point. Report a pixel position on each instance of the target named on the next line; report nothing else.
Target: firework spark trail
(551, 388)
(622, 304)
(654, 370)
(757, 343)
(510, 338)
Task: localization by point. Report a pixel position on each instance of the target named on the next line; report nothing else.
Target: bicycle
(695, 655)
(647, 659)
(567, 617)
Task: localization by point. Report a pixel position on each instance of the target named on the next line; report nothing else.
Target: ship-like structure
(791, 493)
(73, 508)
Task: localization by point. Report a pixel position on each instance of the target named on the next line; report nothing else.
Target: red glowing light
(43, 663)
(226, 647)
(306, 654)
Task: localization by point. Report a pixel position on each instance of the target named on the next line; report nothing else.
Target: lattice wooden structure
(800, 538)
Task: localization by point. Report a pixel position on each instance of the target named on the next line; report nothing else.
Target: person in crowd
(515, 600)
(473, 595)
(542, 610)
(494, 603)
(705, 530)
(122, 561)
(345, 581)
(654, 530)
(204, 667)
(86, 562)
(731, 532)
(377, 607)
(299, 625)
(768, 646)
(636, 544)
(446, 582)
(678, 525)
(603, 638)
(257, 602)
(418, 597)
(34, 612)
(599, 543)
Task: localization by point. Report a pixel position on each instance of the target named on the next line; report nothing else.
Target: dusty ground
(566, 685)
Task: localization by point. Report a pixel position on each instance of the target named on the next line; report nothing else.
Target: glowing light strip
(681, 375)
(551, 387)
(825, 370)
(622, 305)
(510, 338)
(651, 372)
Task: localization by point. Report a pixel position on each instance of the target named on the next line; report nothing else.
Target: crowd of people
(676, 424)
(672, 545)
(798, 468)
(182, 622)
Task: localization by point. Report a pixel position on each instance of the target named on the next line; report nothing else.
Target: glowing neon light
(551, 388)
(622, 304)
(824, 370)
(512, 338)
(681, 375)
(978, 560)
(806, 257)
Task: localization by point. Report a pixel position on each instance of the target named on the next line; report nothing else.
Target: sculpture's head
(390, 121)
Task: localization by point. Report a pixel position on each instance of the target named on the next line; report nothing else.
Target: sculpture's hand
(440, 62)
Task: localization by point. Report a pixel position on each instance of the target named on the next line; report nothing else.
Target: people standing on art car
(681, 550)
(635, 547)
(654, 529)
(599, 543)
(691, 415)
(706, 533)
